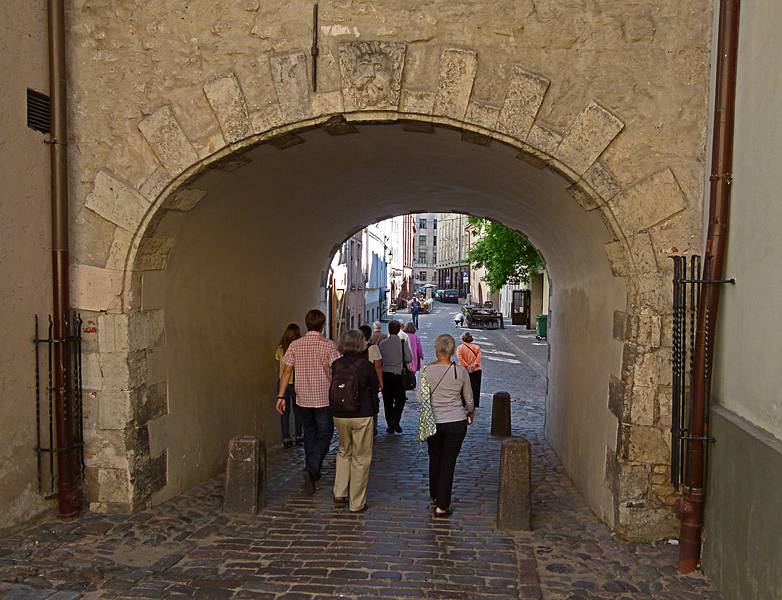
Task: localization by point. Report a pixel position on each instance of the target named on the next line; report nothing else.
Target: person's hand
(470, 417)
(280, 406)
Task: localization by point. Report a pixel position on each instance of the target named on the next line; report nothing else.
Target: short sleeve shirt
(311, 356)
(374, 353)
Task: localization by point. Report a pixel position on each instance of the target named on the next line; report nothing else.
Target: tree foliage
(506, 254)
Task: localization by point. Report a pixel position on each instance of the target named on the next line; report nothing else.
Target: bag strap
(432, 391)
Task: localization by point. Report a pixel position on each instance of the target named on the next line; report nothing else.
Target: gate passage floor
(303, 547)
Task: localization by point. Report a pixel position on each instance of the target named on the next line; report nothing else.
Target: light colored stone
(184, 199)
(114, 486)
(588, 137)
(642, 405)
(649, 202)
(168, 141)
(457, 73)
(227, 101)
(153, 253)
(646, 445)
(647, 370)
(632, 255)
(522, 102)
(584, 199)
(113, 333)
(543, 139)
(122, 371)
(267, 119)
(117, 202)
(115, 409)
(649, 332)
(106, 450)
(482, 114)
(91, 378)
(602, 181)
(327, 103)
(93, 288)
(120, 246)
(371, 73)
(289, 73)
(417, 101)
(155, 184)
(146, 329)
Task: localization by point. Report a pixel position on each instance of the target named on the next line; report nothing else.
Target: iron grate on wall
(38, 111)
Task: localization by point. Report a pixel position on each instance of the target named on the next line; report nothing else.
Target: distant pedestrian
(372, 354)
(469, 355)
(353, 376)
(458, 320)
(311, 356)
(395, 352)
(452, 404)
(292, 332)
(416, 347)
(415, 310)
(377, 333)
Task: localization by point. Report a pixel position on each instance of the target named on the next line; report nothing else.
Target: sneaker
(309, 483)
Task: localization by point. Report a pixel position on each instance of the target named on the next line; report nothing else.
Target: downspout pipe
(68, 475)
(692, 504)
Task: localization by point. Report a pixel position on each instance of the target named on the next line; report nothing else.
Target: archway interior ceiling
(311, 196)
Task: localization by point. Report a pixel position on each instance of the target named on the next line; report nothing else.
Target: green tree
(504, 253)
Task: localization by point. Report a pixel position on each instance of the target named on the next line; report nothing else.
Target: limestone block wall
(612, 98)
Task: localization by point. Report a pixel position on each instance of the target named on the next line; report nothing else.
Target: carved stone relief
(371, 74)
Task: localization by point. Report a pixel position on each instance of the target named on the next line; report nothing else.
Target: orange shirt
(469, 356)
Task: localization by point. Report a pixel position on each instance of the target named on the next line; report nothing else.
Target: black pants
(444, 447)
(475, 384)
(394, 398)
(318, 430)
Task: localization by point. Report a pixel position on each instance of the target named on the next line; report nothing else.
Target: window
(421, 223)
(434, 241)
(434, 257)
(434, 223)
(422, 256)
(422, 240)
(422, 276)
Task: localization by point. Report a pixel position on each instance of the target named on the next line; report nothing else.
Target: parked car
(437, 294)
(450, 296)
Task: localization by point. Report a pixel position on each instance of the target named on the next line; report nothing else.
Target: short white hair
(376, 325)
(444, 345)
(352, 341)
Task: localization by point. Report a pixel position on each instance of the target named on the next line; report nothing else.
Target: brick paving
(304, 547)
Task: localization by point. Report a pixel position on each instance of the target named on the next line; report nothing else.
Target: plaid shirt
(311, 356)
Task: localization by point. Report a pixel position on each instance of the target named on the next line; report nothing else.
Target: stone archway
(125, 468)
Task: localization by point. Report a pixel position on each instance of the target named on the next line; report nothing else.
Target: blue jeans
(290, 400)
(318, 431)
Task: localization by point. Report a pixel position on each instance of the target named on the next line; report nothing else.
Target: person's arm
(469, 402)
(284, 378)
(407, 352)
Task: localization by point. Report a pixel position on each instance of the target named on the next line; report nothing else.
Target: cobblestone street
(303, 547)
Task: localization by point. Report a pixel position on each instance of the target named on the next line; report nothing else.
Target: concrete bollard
(245, 475)
(500, 414)
(514, 502)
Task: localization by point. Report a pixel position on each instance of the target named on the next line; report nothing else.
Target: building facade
(376, 251)
(453, 245)
(425, 249)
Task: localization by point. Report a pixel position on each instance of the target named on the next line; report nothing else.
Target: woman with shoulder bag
(447, 386)
(469, 355)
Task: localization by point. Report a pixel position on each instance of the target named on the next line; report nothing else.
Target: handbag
(426, 423)
(408, 377)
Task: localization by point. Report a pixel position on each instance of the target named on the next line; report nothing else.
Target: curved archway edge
(125, 472)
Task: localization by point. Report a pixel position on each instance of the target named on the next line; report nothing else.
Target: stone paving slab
(303, 547)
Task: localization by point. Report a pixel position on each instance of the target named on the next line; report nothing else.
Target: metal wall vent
(38, 111)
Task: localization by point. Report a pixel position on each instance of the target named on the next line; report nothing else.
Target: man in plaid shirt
(311, 356)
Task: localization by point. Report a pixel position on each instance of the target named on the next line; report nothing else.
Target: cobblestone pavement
(304, 547)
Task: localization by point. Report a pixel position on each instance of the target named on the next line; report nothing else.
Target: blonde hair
(444, 345)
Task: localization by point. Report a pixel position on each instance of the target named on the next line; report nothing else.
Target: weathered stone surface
(145, 329)
(457, 73)
(227, 101)
(121, 244)
(90, 371)
(150, 476)
(522, 102)
(155, 183)
(327, 103)
(371, 74)
(153, 253)
(417, 102)
(482, 114)
(632, 255)
(113, 485)
(514, 502)
(153, 403)
(642, 407)
(289, 73)
(602, 181)
(93, 288)
(115, 409)
(584, 199)
(245, 475)
(168, 141)
(117, 202)
(589, 135)
(500, 414)
(620, 325)
(113, 333)
(644, 444)
(184, 199)
(543, 139)
(649, 202)
(617, 397)
(632, 481)
(266, 119)
(122, 371)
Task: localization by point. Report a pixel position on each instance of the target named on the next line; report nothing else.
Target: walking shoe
(397, 428)
(339, 499)
(361, 510)
(309, 483)
(442, 515)
(390, 429)
(287, 443)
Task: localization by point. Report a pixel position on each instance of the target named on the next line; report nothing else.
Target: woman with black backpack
(354, 404)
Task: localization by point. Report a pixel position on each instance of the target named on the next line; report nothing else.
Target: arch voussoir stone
(458, 69)
(227, 100)
(168, 141)
(589, 135)
(522, 102)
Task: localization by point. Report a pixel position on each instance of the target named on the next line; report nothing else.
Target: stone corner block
(95, 288)
(649, 202)
(117, 202)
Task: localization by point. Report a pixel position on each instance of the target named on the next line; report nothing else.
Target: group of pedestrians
(326, 386)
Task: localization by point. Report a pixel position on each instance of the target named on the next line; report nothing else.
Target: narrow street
(303, 547)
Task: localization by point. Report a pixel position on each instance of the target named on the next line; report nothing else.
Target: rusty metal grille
(38, 111)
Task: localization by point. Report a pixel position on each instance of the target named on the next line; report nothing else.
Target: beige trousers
(353, 459)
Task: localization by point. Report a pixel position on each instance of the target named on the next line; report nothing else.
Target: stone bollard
(245, 475)
(500, 414)
(514, 502)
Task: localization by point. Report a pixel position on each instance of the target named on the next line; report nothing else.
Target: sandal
(444, 514)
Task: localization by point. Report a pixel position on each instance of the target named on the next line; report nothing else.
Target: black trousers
(394, 398)
(444, 447)
(318, 428)
(475, 384)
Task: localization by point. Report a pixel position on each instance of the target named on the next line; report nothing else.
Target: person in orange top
(469, 355)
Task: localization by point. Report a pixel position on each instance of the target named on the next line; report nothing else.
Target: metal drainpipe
(691, 506)
(69, 493)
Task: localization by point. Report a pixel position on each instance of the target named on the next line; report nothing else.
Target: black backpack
(343, 392)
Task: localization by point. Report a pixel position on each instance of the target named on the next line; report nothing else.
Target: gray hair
(352, 341)
(377, 325)
(444, 345)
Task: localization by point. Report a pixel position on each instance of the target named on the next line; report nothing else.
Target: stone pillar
(514, 502)
(500, 414)
(245, 475)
